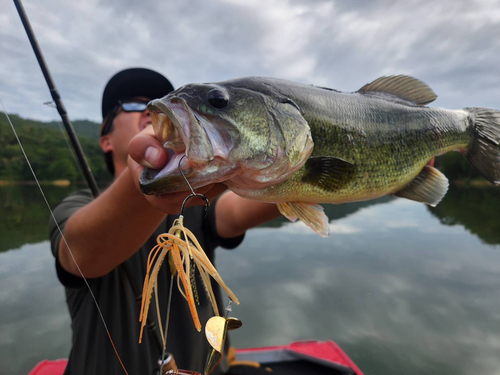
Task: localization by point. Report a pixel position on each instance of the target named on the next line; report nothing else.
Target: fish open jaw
(166, 121)
(184, 132)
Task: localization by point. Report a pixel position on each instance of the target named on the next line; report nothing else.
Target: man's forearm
(110, 229)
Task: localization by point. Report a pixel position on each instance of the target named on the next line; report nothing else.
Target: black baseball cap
(133, 82)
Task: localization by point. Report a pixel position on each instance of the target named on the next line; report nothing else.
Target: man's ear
(106, 144)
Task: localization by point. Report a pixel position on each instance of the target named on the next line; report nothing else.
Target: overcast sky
(452, 45)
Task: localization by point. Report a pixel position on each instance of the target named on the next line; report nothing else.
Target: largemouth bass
(296, 145)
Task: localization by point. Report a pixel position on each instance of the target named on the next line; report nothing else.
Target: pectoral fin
(312, 214)
(428, 187)
(329, 173)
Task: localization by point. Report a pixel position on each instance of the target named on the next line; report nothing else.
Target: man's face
(126, 125)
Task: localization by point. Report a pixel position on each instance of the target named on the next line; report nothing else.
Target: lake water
(401, 287)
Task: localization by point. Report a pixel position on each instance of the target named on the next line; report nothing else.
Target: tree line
(48, 150)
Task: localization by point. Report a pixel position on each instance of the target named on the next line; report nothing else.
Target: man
(111, 236)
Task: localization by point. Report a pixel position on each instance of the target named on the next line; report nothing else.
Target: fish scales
(389, 142)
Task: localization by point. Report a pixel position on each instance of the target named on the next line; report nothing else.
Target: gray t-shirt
(92, 352)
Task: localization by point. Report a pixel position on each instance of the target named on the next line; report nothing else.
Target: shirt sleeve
(62, 213)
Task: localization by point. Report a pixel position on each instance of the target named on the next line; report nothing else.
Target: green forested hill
(83, 128)
(48, 151)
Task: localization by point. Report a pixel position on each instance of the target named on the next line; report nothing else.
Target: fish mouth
(182, 133)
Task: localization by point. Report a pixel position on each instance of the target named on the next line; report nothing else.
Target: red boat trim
(323, 352)
(326, 353)
(47, 367)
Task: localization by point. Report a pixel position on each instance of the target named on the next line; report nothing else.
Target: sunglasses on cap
(129, 106)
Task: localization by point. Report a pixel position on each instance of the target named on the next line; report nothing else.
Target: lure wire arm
(193, 194)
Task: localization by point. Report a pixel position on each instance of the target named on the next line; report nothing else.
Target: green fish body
(299, 145)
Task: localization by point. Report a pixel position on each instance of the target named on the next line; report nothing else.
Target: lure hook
(193, 194)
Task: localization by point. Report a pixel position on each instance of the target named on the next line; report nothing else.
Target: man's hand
(145, 151)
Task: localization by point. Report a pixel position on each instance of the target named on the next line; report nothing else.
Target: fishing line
(167, 321)
(63, 237)
(193, 194)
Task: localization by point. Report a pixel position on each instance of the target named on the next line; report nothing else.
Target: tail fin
(484, 151)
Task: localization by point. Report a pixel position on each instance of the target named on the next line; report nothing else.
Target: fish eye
(217, 98)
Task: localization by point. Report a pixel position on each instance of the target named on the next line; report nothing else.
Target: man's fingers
(145, 149)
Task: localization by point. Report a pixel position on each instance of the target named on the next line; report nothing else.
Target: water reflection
(24, 214)
(34, 322)
(397, 289)
(477, 209)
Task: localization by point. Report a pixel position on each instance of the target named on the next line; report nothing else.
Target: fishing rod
(124, 269)
(87, 173)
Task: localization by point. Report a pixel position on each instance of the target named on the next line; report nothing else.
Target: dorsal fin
(403, 87)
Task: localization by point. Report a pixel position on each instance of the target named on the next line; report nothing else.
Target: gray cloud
(451, 45)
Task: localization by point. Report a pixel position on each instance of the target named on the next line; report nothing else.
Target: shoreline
(53, 183)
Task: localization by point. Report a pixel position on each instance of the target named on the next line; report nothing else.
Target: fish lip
(176, 110)
(151, 186)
